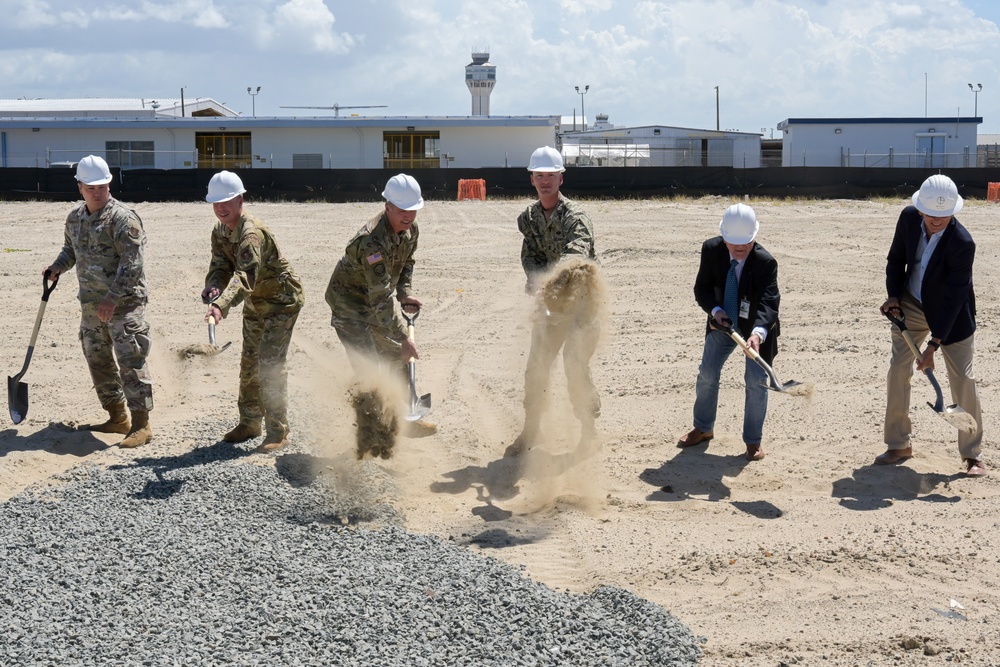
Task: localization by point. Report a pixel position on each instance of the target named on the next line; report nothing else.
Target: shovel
(791, 387)
(17, 391)
(212, 347)
(419, 407)
(953, 414)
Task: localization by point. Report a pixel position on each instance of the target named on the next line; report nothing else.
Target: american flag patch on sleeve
(377, 257)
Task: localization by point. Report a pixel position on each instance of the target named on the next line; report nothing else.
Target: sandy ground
(811, 556)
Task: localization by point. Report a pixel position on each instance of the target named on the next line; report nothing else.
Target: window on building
(409, 150)
(223, 150)
(130, 154)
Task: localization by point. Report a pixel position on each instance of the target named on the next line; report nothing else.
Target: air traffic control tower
(480, 77)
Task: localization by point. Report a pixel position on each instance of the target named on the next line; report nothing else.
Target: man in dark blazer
(928, 277)
(754, 306)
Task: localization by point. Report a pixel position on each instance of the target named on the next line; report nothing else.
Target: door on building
(223, 150)
(411, 150)
(930, 150)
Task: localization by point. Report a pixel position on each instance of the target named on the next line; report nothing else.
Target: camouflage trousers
(367, 343)
(125, 338)
(263, 377)
(373, 354)
(578, 338)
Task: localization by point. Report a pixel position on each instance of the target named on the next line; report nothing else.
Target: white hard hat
(224, 186)
(546, 158)
(938, 197)
(93, 170)
(739, 224)
(403, 191)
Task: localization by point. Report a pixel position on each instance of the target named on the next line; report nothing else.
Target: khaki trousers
(961, 379)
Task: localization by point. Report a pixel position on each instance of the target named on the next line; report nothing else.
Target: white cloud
(585, 6)
(307, 25)
(28, 15)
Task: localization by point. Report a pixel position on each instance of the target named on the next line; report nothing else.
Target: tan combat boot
(118, 421)
(141, 433)
(242, 433)
(275, 440)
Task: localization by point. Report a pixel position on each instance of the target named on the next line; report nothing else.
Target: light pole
(583, 111)
(716, 108)
(253, 98)
(976, 91)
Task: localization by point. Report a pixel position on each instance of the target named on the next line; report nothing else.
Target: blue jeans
(718, 347)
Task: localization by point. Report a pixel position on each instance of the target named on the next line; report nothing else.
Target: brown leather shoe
(974, 468)
(891, 456)
(695, 437)
(754, 453)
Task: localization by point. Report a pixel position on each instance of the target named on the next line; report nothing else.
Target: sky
(646, 62)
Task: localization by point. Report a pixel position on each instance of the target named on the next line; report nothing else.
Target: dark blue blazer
(758, 285)
(947, 297)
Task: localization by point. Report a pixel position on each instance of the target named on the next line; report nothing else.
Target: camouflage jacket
(108, 249)
(568, 231)
(247, 264)
(377, 263)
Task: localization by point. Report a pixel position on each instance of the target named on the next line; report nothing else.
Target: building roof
(107, 107)
(257, 122)
(922, 120)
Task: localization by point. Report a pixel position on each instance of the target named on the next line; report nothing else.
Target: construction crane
(336, 108)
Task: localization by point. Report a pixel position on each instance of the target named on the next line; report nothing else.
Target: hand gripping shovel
(17, 391)
(953, 414)
(419, 407)
(791, 387)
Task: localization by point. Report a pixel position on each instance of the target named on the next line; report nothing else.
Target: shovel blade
(958, 417)
(17, 399)
(419, 408)
(215, 349)
(792, 388)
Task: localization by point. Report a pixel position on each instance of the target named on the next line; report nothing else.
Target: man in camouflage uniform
(248, 267)
(377, 264)
(556, 230)
(106, 242)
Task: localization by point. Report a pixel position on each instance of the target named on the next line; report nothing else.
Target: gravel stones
(202, 560)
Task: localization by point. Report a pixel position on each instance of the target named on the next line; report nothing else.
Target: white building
(146, 138)
(98, 107)
(939, 142)
(659, 146)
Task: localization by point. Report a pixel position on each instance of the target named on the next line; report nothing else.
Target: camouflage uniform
(376, 264)
(108, 249)
(567, 232)
(247, 265)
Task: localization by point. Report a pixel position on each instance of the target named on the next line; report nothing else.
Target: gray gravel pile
(200, 560)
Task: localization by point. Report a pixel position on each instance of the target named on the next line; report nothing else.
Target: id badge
(744, 309)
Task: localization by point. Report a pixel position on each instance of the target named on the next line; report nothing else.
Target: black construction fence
(343, 185)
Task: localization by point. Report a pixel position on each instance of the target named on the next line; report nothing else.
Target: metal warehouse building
(165, 134)
(940, 142)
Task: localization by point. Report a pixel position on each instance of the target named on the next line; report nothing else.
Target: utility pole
(253, 97)
(583, 111)
(976, 92)
(717, 108)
